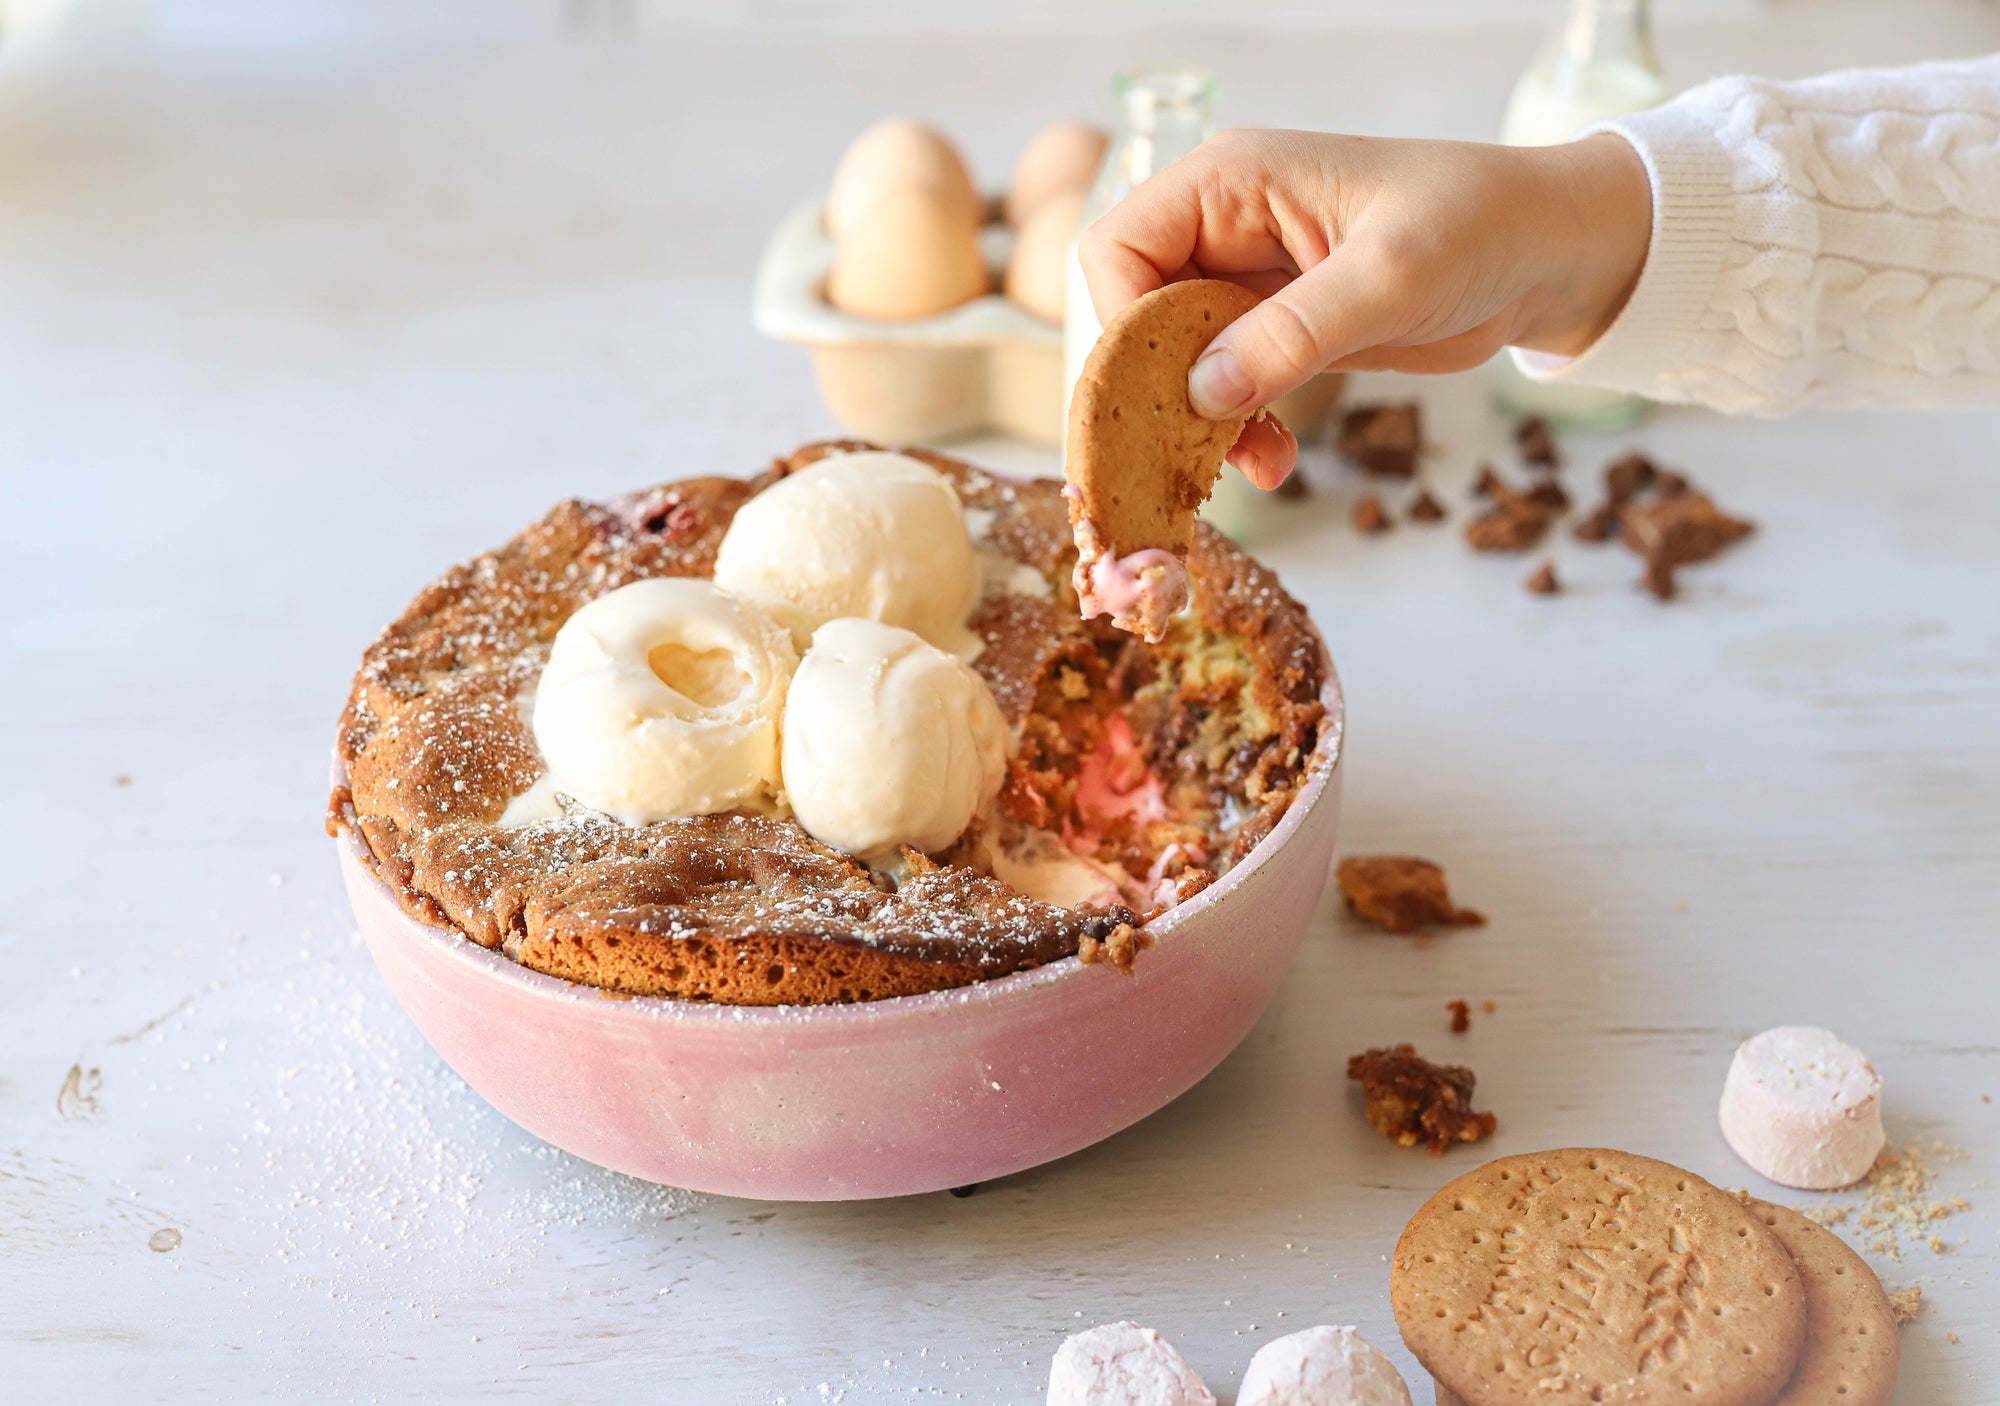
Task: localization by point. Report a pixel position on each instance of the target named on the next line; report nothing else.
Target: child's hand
(1376, 255)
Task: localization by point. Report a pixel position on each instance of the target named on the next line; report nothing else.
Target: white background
(299, 303)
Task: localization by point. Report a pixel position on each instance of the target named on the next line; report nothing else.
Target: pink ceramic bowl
(885, 1098)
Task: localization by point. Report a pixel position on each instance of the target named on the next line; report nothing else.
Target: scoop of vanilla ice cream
(871, 535)
(662, 699)
(888, 741)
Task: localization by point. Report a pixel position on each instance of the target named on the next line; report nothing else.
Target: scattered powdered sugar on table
(357, 1169)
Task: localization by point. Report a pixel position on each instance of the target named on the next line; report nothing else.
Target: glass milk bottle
(1600, 63)
(1164, 112)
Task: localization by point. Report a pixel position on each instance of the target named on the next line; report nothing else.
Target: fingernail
(1218, 385)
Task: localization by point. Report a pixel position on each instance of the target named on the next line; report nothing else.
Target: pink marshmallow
(1122, 1364)
(1803, 1108)
(1141, 591)
(1322, 1367)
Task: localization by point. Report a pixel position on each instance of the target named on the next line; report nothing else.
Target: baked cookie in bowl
(794, 837)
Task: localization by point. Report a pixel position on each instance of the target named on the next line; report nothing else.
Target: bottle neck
(1163, 114)
(1610, 32)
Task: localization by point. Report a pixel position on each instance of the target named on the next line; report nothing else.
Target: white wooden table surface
(296, 308)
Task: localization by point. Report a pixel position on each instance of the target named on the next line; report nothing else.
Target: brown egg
(898, 154)
(1058, 158)
(1041, 255)
(909, 254)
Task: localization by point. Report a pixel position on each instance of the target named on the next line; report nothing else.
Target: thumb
(1339, 306)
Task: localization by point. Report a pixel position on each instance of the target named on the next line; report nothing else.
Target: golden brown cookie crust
(1590, 1275)
(1851, 1351)
(1139, 460)
(747, 910)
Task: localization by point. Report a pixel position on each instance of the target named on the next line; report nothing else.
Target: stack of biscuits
(1591, 1276)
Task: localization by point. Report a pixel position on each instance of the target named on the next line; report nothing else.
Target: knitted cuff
(1694, 209)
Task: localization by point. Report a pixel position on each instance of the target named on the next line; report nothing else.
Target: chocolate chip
(1486, 481)
(1293, 486)
(1543, 581)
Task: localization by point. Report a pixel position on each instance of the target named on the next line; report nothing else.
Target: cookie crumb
(1382, 439)
(122, 779)
(1488, 1006)
(1896, 1201)
(1536, 444)
(1600, 524)
(1401, 894)
(1424, 508)
(1543, 581)
(1121, 949)
(1369, 516)
(1410, 1100)
(1659, 579)
(1549, 494)
(1905, 1303)
(1626, 478)
(1513, 525)
(1485, 482)
(1461, 1016)
(1674, 530)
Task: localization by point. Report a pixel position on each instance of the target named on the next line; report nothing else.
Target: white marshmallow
(888, 741)
(661, 699)
(1322, 1366)
(876, 535)
(1803, 1108)
(1122, 1364)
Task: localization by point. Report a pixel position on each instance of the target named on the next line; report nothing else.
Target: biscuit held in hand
(1140, 462)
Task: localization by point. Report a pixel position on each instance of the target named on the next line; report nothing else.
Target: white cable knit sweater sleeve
(1831, 242)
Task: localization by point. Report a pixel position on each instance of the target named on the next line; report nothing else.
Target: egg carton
(987, 364)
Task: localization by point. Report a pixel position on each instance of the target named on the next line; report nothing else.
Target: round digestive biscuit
(1851, 1351)
(1139, 460)
(1602, 1275)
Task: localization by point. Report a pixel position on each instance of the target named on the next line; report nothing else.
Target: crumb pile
(1898, 1207)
